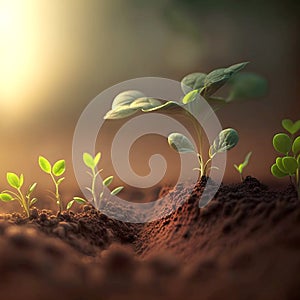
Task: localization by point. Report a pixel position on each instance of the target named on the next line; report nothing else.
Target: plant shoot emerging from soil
(55, 171)
(240, 168)
(289, 146)
(24, 200)
(92, 162)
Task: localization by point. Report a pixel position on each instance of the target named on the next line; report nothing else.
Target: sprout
(17, 182)
(92, 162)
(243, 165)
(55, 172)
(289, 147)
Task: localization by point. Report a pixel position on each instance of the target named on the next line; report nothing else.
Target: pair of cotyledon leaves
(243, 86)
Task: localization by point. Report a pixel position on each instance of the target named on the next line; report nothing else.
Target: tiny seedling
(288, 164)
(240, 168)
(225, 141)
(92, 162)
(55, 171)
(24, 200)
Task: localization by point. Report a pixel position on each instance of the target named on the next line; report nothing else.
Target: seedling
(289, 146)
(225, 141)
(243, 165)
(24, 200)
(55, 171)
(92, 162)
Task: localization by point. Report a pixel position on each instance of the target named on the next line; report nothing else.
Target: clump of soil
(244, 244)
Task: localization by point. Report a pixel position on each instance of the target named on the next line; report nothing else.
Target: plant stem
(93, 186)
(23, 202)
(57, 195)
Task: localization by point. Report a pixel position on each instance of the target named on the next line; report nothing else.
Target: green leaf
(290, 164)
(33, 201)
(180, 143)
(169, 105)
(241, 166)
(107, 181)
(97, 159)
(282, 143)
(59, 167)
(276, 172)
(226, 140)
(247, 86)
(117, 190)
(190, 97)
(145, 103)
(69, 205)
(60, 180)
(21, 180)
(192, 81)
(5, 197)
(32, 187)
(44, 164)
(88, 160)
(280, 165)
(79, 200)
(126, 98)
(290, 126)
(296, 146)
(13, 180)
(120, 112)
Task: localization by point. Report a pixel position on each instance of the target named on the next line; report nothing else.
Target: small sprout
(54, 171)
(92, 162)
(287, 145)
(243, 165)
(24, 200)
(180, 143)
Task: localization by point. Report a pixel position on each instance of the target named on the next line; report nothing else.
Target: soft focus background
(56, 56)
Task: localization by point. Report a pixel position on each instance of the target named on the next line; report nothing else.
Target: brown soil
(245, 244)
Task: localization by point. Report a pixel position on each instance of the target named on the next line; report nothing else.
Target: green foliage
(55, 171)
(24, 200)
(289, 146)
(240, 168)
(180, 143)
(92, 162)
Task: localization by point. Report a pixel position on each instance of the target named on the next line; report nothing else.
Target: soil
(245, 244)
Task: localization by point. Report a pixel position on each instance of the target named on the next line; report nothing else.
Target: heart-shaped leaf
(290, 126)
(290, 164)
(296, 146)
(192, 81)
(125, 98)
(277, 172)
(226, 140)
(180, 143)
(282, 143)
(280, 165)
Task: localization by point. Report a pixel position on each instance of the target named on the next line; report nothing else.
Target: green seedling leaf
(70, 204)
(60, 180)
(59, 167)
(290, 126)
(120, 112)
(21, 180)
(180, 143)
(282, 143)
(280, 165)
(97, 159)
(241, 166)
(169, 105)
(126, 98)
(226, 140)
(192, 81)
(107, 181)
(276, 172)
(247, 86)
(117, 190)
(190, 97)
(290, 164)
(13, 180)
(32, 187)
(79, 200)
(145, 103)
(88, 160)
(5, 197)
(296, 146)
(44, 164)
(33, 201)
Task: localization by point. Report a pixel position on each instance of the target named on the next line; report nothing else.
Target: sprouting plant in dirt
(55, 171)
(225, 141)
(288, 145)
(92, 162)
(25, 200)
(240, 168)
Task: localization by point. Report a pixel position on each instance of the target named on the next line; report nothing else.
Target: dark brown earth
(245, 244)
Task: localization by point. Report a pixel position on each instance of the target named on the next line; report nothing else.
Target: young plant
(243, 165)
(92, 162)
(55, 171)
(24, 200)
(225, 141)
(288, 164)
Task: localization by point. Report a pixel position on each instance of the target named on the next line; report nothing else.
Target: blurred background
(56, 56)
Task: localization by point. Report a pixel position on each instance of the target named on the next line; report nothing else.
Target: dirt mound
(243, 245)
